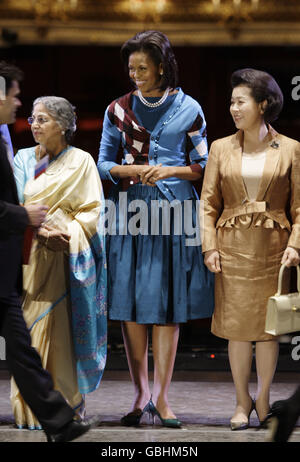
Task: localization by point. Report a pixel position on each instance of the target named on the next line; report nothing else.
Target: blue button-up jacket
(181, 125)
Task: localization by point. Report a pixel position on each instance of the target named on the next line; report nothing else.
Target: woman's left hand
(290, 257)
(156, 173)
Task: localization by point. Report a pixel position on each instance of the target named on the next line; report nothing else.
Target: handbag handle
(280, 279)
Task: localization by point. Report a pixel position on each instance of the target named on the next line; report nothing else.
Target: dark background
(90, 77)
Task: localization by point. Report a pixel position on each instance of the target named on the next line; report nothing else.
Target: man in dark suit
(6, 137)
(35, 384)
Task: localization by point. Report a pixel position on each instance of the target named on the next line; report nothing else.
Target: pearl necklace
(158, 103)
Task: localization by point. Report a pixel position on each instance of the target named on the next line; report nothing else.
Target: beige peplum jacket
(250, 236)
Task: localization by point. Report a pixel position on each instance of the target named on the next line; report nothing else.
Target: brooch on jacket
(274, 145)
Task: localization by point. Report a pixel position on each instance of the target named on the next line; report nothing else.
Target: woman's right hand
(135, 171)
(212, 261)
(53, 238)
(140, 172)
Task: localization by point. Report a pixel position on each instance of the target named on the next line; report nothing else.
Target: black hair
(263, 88)
(157, 46)
(10, 72)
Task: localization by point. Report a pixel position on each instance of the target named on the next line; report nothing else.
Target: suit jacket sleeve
(294, 240)
(212, 199)
(13, 218)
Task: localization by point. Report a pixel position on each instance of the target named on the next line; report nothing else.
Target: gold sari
(65, 293)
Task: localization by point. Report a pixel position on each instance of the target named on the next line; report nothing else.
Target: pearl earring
(63, 132)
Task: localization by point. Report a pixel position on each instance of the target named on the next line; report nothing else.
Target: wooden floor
(203, 401)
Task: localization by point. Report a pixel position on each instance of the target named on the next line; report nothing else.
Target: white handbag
(283, 311)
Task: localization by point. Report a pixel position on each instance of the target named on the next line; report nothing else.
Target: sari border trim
(48, 310)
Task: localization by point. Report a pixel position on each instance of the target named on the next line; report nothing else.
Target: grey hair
(62, 111)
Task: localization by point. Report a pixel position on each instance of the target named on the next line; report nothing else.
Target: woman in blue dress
(155, 265)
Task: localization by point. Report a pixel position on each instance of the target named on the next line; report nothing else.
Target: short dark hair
(157, 46)
(263, 87)
(10, 72)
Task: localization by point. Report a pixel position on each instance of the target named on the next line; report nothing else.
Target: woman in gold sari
(65, 281)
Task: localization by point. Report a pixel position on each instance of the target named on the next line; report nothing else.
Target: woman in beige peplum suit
(251, 195)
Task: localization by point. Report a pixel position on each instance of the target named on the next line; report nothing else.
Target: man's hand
(37, 214)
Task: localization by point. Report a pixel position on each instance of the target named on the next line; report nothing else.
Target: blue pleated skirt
(156, 275)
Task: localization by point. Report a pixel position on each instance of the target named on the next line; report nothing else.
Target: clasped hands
(150, 174)
(212, 259)
(53, 238)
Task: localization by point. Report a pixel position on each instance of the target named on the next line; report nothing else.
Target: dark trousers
(24, 363)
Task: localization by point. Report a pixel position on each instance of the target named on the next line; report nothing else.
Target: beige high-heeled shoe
(236, 425)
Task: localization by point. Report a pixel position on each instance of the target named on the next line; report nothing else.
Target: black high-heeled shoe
(132, 418)
(151, 409)
(281, 421)
(262, 423)
(235, 425)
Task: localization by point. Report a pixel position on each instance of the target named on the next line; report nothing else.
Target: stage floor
(203, 401)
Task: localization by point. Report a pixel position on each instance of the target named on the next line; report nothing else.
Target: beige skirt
(250, 261)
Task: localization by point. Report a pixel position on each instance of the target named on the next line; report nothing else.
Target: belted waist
(278, 215)
(247, 207)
